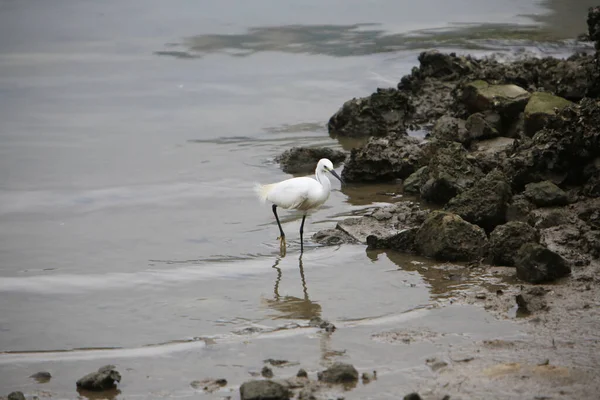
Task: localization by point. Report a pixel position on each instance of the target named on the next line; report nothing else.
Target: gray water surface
(131, 135)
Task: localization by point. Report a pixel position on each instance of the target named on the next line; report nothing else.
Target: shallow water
(131, 136)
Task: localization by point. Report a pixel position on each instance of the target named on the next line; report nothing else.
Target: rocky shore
(510, 163)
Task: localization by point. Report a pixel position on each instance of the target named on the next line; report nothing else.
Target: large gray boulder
(505, 239)
(384, 159)
(450, 173)
(383, 113)
(537, 264)
(541, 107)
(447, 237)
(303, 160)
(508, 100)
(485, 203)
(545, 194)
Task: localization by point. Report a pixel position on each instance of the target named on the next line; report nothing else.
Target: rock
(266, 372)
(450, 129)
(450, 173)
(384, 159)
(304, 159)
(381, 114)
(384, 222)
(302, 373)
(412, 396)
(16, 396)
(403, 241)
(413, 183)
(591, 174)
(560, 151)
(489, 154)
(485, 203)
(537, 264)
(448, 237)
(209, 385)
(105, 378)
(508, 100)
(519, 208)
(485, 125)
(42, 376)
(589, 212)
(508, 237)
(545, 194)
(544, 218)
(540, 108)
(332, 237)
(339, 373)
(263, 390)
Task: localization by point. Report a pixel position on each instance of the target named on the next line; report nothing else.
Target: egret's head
(326, 166)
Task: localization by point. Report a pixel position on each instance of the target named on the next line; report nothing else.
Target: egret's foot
(282, 242)
(282, 245)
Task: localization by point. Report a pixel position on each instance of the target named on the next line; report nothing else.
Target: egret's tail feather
(262, 191)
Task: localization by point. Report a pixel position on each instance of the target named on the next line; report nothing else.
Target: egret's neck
(323, 180)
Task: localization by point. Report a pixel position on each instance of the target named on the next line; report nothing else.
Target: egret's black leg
(282, 235)
(301, 232)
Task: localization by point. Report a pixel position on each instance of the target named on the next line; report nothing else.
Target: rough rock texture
(450, 173)
(263, 390)
(485, 125)
(485, 203)
(413, 183)
(560, 151)
(105, 378)
(537, 264)
(450, 129)
(404, 241)
(508, 100)
(383, 159)
(489, 154)
(339, 373)
(304, 159)
(519, 208)
(384, 222)
(505, 239)
(332, 237)
(447, 237)
(382, 113)
(16, 396)
(541, 107)
(545, 194)
(591, 175)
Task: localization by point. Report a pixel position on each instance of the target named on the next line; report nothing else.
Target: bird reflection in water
(291, 307)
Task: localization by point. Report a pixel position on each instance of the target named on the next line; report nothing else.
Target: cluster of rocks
(512, 157)
(338, 374)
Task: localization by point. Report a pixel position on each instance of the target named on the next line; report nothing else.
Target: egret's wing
(292, 193)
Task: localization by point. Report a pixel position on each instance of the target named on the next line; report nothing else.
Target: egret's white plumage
(302, 194)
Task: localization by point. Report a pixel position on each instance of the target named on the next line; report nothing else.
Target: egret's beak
(336, 175)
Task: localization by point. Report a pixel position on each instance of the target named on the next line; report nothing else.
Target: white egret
(302, 194)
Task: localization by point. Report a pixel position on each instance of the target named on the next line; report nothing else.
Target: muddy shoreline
(512, 158)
